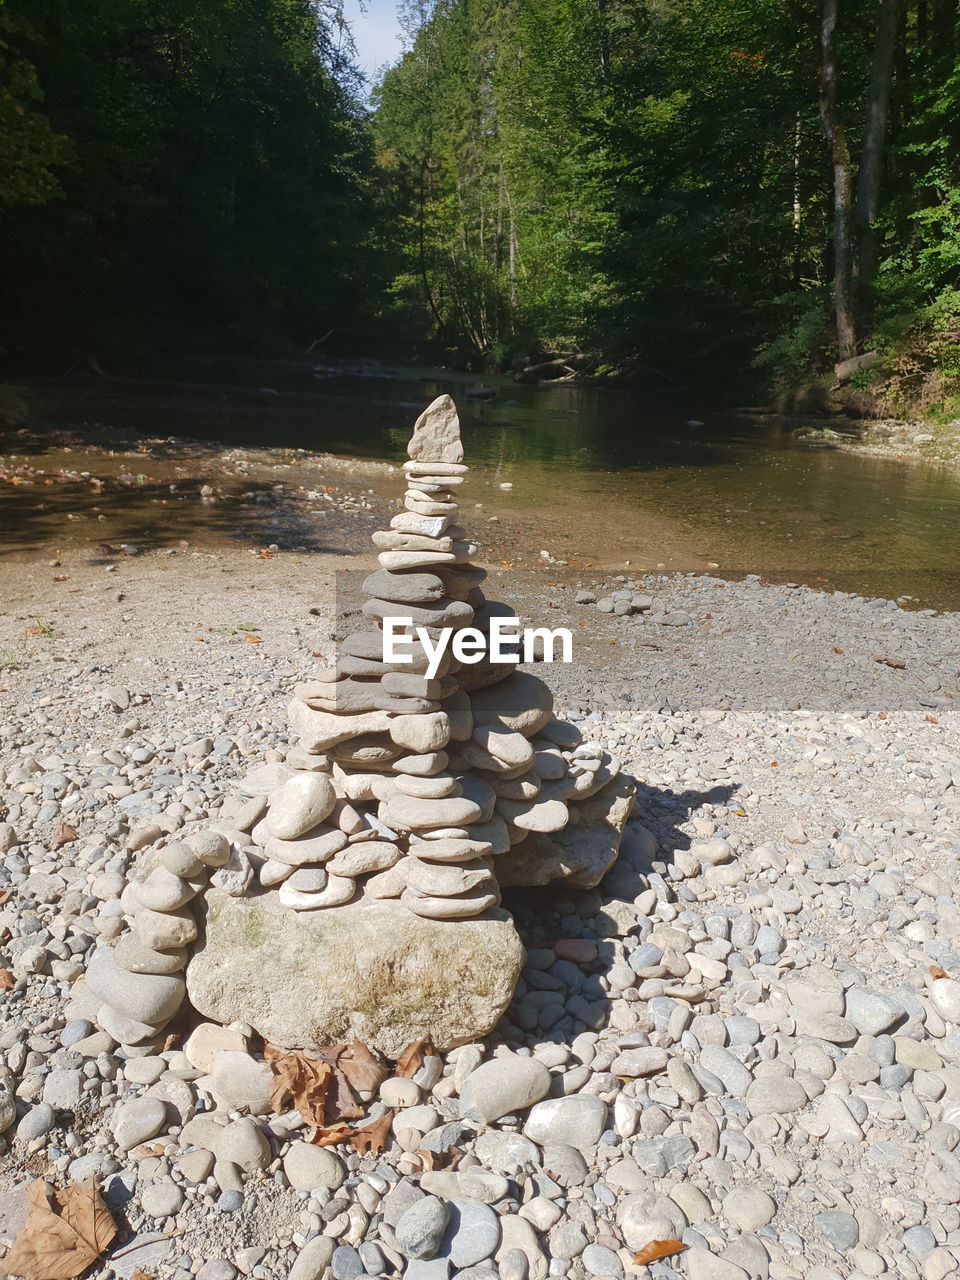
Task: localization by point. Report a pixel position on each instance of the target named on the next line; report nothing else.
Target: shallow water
(611, 479)
(739, 491)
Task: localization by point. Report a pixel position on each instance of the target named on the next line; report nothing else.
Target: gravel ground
(750, 1032)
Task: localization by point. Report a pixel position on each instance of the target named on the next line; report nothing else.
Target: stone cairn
(404, 794)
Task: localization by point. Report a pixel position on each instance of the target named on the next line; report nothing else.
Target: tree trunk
(797, 200)
(511, 237)
(944, 29)
(513, 259)
(424, 275)
(842, 185)
(867, 206)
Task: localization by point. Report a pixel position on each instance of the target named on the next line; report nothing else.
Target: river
(609, 479)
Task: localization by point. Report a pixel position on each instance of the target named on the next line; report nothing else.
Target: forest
(661, 191)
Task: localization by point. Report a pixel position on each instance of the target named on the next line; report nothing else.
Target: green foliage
(216, 170)
(29, 149)
(919, 372)
(480, 128)
(662, 173)
(645, 183)
(802, 341)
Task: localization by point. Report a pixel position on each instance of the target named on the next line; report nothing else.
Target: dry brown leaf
(329, 1137)
(7, 980)
(252, 639)
(63, 835)
(836, 650)
(341, 1104)
(323, 1082)
(656, 1250)
(372, 1138)
(138, 1274)
(60, 1239)
(411, 1060)
(363, 1069)
(448, 1159)
(937, 972)
(891, 662)
(302, 1083)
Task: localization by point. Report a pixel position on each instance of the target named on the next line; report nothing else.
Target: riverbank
(562, 477)
(766, 949)
(112, 491)
(937, 443)
(912, 441)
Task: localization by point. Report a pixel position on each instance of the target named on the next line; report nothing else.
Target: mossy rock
(369, 971)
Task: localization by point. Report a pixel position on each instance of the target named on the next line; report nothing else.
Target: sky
(376, 33)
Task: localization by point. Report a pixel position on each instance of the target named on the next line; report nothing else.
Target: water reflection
(593, 468)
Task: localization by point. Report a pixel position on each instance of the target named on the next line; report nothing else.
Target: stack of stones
(140, 980)
(401, 807)
(408, 787)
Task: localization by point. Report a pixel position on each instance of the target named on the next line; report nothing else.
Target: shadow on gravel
(662, 812)
(561, 996)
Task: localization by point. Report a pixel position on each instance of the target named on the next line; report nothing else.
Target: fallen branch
(532, 372)
(845, 369)
(318, 342)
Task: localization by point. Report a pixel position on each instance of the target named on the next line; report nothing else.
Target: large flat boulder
(370, 971)
(581, 853)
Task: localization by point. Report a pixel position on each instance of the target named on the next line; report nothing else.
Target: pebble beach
(745, 1041)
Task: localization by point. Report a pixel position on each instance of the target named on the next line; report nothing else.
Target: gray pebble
(76, 1029)
(839, 1229)
(346, 1263)
(600, 1261)
(62, 1089)
(870, 1013)
(313, 1260)
(38, 1121)
(427, 1269)
(420, 1229)
(919, 1241)
(217, 1269)
(161, 1199)
(514, 1265)
(472, 1234)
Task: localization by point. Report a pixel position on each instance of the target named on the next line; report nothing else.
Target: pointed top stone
(436, 433)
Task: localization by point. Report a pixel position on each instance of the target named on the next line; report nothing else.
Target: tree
(867, 206)
(217, 171)
(29, 149)
(842, 186)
